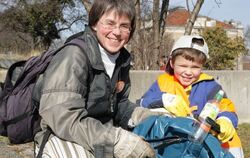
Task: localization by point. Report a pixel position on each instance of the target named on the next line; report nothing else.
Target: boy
(184, 90)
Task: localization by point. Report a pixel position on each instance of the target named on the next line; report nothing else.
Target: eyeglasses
(109, 25)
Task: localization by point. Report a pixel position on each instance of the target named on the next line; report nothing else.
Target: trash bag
(170, 138)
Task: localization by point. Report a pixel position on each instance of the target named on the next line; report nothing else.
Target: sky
(225, 10)
(238, 10)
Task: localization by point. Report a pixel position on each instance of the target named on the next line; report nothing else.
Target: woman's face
(113, 31)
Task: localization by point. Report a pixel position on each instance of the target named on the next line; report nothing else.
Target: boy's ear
(171, 63)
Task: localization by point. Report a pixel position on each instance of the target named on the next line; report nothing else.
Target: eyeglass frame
(110, 25)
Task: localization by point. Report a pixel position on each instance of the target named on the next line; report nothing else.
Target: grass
(20, 56)
(244, 135)
(3, 139)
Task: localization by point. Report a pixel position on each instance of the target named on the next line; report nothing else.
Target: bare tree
(87, 4)
(156, 33)
(193, 17)
(163, 16)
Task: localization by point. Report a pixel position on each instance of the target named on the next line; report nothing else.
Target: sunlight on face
(186, 71)
(113, 31)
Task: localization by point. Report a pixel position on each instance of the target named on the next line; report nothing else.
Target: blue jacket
(199, 93)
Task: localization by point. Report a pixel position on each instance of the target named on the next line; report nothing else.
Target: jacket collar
(94, 54)
(204, 77)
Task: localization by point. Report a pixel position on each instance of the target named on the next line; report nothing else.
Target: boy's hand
(175, 105)
(227, 129)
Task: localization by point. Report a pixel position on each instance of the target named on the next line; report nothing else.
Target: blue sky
(237, 10)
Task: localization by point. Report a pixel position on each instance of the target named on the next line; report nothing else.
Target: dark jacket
(79, 101)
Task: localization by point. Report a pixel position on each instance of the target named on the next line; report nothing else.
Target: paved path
(15, 151)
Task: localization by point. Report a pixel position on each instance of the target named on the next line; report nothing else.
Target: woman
(86, 114)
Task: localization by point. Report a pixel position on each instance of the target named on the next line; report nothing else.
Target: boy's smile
(186, 71)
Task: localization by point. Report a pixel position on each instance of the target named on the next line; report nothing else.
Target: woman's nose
(116, 31)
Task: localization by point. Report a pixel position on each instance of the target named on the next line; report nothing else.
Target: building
(177, 19)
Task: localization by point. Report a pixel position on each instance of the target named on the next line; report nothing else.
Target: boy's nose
(188, 71)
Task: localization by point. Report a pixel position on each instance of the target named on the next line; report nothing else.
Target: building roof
(180, 16)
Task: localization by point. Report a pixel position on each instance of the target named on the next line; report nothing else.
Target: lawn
(244, 134)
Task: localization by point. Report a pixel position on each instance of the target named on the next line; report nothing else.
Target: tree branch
(87, 4)
(193, 17)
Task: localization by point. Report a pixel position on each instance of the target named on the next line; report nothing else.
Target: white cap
(186, 41)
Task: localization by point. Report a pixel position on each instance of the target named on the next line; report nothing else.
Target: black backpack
(19, 116)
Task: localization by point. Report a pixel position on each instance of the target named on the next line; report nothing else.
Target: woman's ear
(94, 27)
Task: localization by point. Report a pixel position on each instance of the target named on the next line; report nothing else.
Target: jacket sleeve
(62, 104)
(153, 97)
(227, 107)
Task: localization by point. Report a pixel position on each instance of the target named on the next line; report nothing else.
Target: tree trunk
(163, 16)
(193, 17)
(136, 43)
(155, 55)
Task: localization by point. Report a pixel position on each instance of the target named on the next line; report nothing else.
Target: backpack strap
(33, 68)
(79, 42)
(18, 118)
(8, 85)
(44, 141)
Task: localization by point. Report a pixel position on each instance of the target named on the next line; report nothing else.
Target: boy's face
(186, 71)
